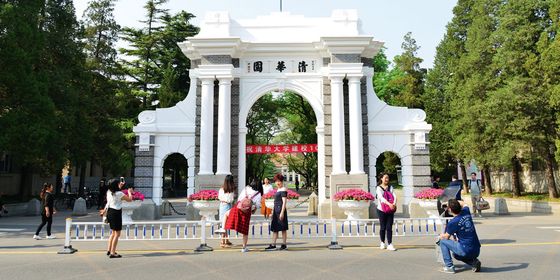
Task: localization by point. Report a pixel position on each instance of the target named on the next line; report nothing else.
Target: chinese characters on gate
(281, 66)
(287, 149)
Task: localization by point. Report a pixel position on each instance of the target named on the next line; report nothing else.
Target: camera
(122, 179)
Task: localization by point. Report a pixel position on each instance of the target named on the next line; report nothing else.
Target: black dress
(277, 224)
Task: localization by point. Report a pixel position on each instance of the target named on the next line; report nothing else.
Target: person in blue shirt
(460, 238)
(67, 183)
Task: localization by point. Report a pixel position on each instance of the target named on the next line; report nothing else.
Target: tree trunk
(82, 179)
(516, 188)
(464, 177)
(552, 192)
(25, 184)
(487, 180)
(58, 182)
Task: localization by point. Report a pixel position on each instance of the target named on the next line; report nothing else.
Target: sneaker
(382, 246)
(283, 247)
(37, 237)
(476, 265)
(220, 230)
(244, 250)
(270, 248)
(51, 236)
(391, 247)
(450, 270)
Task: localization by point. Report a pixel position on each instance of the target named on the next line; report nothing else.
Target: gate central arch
(326, 60)
(312, 97)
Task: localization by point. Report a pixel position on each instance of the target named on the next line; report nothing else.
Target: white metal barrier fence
(204, 230)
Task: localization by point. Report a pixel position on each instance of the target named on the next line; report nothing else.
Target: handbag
(246, 203)
(390, 198)
(482, 204)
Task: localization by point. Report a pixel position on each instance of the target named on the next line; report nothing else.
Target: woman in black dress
(279, 214)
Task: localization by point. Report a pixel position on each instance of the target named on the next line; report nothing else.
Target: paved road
(514, 247)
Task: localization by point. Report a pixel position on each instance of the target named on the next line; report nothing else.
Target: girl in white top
(386, 218)
(114, 213)
(226, 195)
(266, 188)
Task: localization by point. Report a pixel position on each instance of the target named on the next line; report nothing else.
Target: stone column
(337, 111)
(224, 126)
(242, 156)
(355, 116)
(206, 126)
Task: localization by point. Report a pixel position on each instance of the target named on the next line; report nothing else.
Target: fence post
(203, 246)
(334, 244)
(67, 247)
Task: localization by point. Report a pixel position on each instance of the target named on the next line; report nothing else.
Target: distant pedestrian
(102, 198)
(386, 207)
(114, 213)
(460, 238)
(435, 182)
(279, 214)
(3, 209)
(47, 211)
(297, 184)
(239, 216)
(475, 188)
(67, 182)
(226, 195)
(267, 187)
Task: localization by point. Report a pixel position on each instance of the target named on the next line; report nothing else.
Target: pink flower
(204, 195)
(136, 196)
(353, 194)
(272, 193)
(429, 194)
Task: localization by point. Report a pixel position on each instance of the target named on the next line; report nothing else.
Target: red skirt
(238, 220)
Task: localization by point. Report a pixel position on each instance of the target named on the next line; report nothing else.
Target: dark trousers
(386, 225)
(45, 221)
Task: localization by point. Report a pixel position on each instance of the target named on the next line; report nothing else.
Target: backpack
(246, 203)
(388, 195)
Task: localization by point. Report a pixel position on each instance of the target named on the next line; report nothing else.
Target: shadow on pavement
(30, 246)
(161, 254)
(510, 267)
(497, 241)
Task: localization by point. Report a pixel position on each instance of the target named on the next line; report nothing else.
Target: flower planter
(127, 210)
(430, 207)
(353, 208)
(208, 208)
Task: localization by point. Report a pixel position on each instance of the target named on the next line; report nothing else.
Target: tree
(411, 82)
(262, 125)
(524, 26)
(28, 116)
(300, 128)
(100, 36)
(155, 64)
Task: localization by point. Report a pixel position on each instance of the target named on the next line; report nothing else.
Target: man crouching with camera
(460, 238)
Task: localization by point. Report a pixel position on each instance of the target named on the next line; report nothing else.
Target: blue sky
(385, 20)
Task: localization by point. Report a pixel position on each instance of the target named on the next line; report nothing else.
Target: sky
(386, 20)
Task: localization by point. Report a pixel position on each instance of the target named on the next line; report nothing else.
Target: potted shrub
(353, 202)
(269, 198)
(206, 201)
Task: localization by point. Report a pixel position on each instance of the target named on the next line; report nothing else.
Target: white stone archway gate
(325, 60)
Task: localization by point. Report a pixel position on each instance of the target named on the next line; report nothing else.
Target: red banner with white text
(286, 149)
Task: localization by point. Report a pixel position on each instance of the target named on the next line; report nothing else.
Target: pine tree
(411, 82)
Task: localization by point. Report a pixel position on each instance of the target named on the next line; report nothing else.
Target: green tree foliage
(153, 61)
(111, 148)
(411, 83)
(262, 125)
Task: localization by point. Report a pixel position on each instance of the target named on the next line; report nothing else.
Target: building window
(5, 163)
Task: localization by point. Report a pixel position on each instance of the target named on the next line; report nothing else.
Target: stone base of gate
(340, 182)
(148, 210)
(208, 182)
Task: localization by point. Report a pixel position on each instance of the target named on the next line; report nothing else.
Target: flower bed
(429, 194)
(272, 193)
(204, 195)
(353, 194)
(136, 196)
